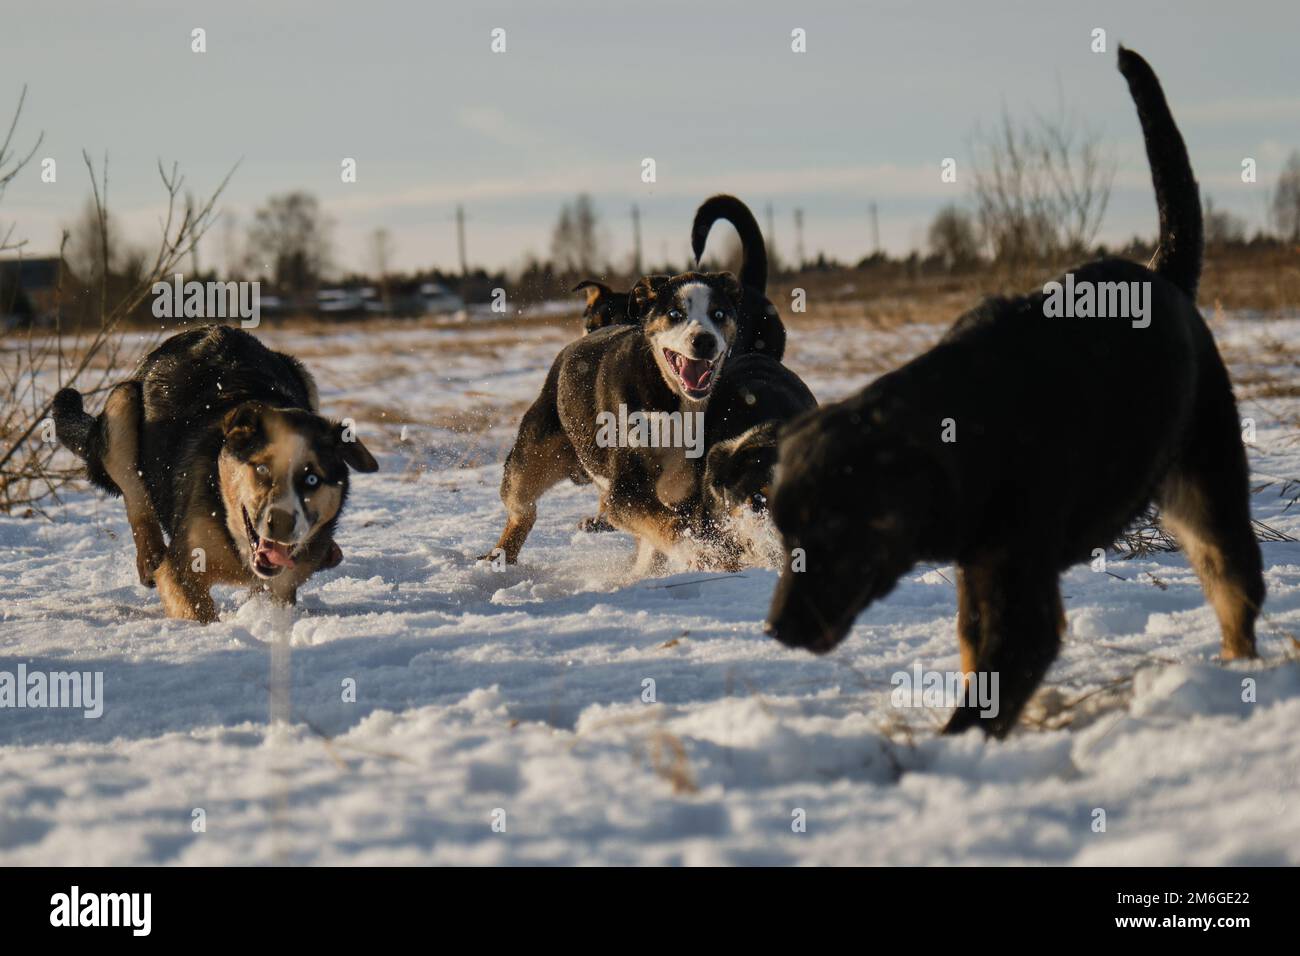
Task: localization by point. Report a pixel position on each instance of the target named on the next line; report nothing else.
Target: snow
(521, 696)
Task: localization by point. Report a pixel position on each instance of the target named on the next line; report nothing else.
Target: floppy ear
(352, 451)
(595, 290)
(643, 295)
(242, 425)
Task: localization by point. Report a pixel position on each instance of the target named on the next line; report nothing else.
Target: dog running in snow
(215, 441)
(666, 365)
(1065, 430)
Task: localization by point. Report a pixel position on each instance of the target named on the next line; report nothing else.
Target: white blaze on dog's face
(283, 477)
(690, 320)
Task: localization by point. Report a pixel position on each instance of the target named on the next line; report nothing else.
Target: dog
(664, 365)
(604, 307)
(759, 324)
(751, 403)
(760, 327)
(215, 441)
(1021, 443)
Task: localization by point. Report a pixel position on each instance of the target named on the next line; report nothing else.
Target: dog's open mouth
(269, 557)
(696, 375)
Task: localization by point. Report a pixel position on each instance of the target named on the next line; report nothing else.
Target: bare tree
(34, 367)
(953, 238)
(1286, 199)
(289, 241)
(1041, 187)
(1222, 228)
(575, 242)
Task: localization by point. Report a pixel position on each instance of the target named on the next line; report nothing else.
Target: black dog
(604, 306)
(215, 440)
(664, 366)
(752, 401)
(1065, 429)
(760, 329)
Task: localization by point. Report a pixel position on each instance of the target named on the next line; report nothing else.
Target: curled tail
(1178, 257)
(753, 266)
(80, 434)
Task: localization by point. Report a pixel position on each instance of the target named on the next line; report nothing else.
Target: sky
(585, 91)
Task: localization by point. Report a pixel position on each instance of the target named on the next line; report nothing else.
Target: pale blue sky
(587, 89)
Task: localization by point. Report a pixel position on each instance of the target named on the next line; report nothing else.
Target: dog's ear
(643, 295)
(729, 285)
(242, 426)
(352, 451)
(595, 290)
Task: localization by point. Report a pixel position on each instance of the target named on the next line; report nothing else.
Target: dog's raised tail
(1178, 257)
(75, 430)
(753, 265)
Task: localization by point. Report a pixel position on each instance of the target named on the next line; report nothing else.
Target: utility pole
(460, 240)
(798, 237)
(636, 241)
(771, 237)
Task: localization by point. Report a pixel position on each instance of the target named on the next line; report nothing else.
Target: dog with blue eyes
(215, 440)
(658, 374)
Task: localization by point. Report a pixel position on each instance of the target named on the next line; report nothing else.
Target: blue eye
(312, 481)
(674, 313)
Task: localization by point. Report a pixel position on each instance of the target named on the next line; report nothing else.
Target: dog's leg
(968, 623)
(122, 419)
(1015, 603)
(631, 506)
(534, 466)
(184, 594)
(1209, 514)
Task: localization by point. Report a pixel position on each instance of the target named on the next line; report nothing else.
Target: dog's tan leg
(968, 623)
(1220, 544)
(532, 469)
(184, 595)
(1016, 605)
(122, 419)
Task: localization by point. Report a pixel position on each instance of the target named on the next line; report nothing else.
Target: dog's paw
(495, 555)
(595, 524)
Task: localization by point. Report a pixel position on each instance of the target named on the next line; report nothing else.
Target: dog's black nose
(704, 343)
(279, 525)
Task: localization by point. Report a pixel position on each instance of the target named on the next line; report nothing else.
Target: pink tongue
(694, 371)
(275, 553)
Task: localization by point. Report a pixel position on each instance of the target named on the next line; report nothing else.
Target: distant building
(28, 291)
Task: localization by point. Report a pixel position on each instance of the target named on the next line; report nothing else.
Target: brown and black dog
(215, 441)
(758, 324)
(664, 365)
(1020, 443)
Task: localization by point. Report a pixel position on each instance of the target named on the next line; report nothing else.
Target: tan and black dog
(215, 441)
(1020, 443)
(758, 324)
(667, 364)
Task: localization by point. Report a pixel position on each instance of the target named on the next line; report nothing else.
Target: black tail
(82, 435)
(753, 265)
(1178, 257)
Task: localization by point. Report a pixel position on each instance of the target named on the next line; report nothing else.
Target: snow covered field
(517, 697)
